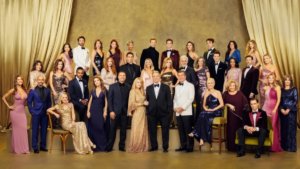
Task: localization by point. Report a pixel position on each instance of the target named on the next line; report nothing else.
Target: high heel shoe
(191, 135)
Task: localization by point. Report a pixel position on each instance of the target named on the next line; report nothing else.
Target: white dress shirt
(156, 89)
(81, 58)
(184, 97)
(169, 53)
(217, 66)
(208, 53)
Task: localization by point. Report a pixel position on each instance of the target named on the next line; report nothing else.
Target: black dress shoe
(189, 150)
(240, 154)
(122, 149)
(153, 149)
(44, 149)
(180, 149)
(165, 150)
(36, 151)
(257, 155)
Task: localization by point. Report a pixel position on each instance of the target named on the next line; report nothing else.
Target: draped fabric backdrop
(30, 30)
(275, 26)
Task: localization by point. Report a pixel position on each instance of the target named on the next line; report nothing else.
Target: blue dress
(288, 123)
(204, 122)
(96, 123)
(236, 54)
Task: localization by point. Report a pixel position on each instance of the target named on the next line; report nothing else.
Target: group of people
(143, 97)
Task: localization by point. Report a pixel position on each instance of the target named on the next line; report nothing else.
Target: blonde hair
(141, 89)
(275, 81)
(60, 97)
(211, 80)
(165, 63)
(229, 83)
(248, 46)
(151, 66)
(268, 56)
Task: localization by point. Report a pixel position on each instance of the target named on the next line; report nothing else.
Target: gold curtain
(275, 26)
(30, 30)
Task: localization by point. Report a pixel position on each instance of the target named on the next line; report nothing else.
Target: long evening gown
(200, 88)
(19, 139)
(234, 118)
(81, 141)
(263, 77)
(203, 125)
(139, 139)
(98, 60)
(190, 61)
(269, 104)
(68, 64)
(58, 82)
(288, 123)
(96, 123)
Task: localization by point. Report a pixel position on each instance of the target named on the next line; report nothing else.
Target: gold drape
(275, 26)
(30, 30)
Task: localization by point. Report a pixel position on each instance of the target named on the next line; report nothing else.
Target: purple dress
(269, 104)
(117, 59)
(19, 139)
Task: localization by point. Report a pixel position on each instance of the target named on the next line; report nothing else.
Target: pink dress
(233, 74)
(263, 76)
(270, 102)
(68, 64)
(19, 139)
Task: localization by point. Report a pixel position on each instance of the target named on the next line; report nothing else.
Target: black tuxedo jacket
(163, 104)
(261, 119)
(151, 53)
(219, 76)
(131, 73)
(210, 59)
(249, 82)
(116, 102)
(76, 94)
(174, 56)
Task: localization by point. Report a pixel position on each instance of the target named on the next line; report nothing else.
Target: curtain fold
(30, 30)
(275, 26)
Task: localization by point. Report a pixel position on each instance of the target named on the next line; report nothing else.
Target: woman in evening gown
(97, 57)
(115, 53)
(147, 72)
(202, 74)
(67, 57)
(19, 137)
(236, 103)
(288, 115)
(272, 99)
(212, 107)
(191, 54)
(109, 72)
(234, 72)
(266, 69)
(65, 111)
(97, 113)
(139, 140)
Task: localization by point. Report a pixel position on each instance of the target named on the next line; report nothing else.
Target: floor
(203, 159)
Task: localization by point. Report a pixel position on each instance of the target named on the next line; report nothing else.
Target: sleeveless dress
(19, 137)
(270, 102)
(190, 61)
(81, 141)
(98, 60)
(58, 83)
(147, 79)
(117, 59)
(204, 122)
(168, 78)
(96, 123)
(108, 78)
(263, 76)
(139, 139)
(68, 64)
(234, 74)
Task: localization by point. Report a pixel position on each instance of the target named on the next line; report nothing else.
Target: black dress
(288, 123)
(98, 62)
(96, 123)
(204, 122)
(190, 61)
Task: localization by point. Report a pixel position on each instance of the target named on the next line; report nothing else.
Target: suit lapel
(78, 86)
(251, 118)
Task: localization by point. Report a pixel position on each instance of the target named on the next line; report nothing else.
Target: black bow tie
(121, 84)
(181, 84)
(254, 112)
(82, 47)
(216, 64)
(80, 80)
(156, 85)
(248, 67)
(169, 50)
(181, 68)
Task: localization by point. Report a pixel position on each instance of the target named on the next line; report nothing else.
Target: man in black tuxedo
(159, 110)
(131, 70)
(189, 72)
(79, 93)
(117, 105)
(217, 71)
(254, 125)
(151, 53)
(170, 53)
(250, 79)
(209, 54)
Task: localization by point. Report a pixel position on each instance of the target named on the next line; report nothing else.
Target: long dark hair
(16, 85)
(117, 46)
(228, 47)
(56, 65)
(36, 63)
(70, 52)
(101, 47)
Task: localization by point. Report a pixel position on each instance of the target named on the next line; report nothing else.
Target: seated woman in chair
(212, 107)
(65, 110)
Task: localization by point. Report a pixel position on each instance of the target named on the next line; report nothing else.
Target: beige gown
(81, 141)
(139, 130)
